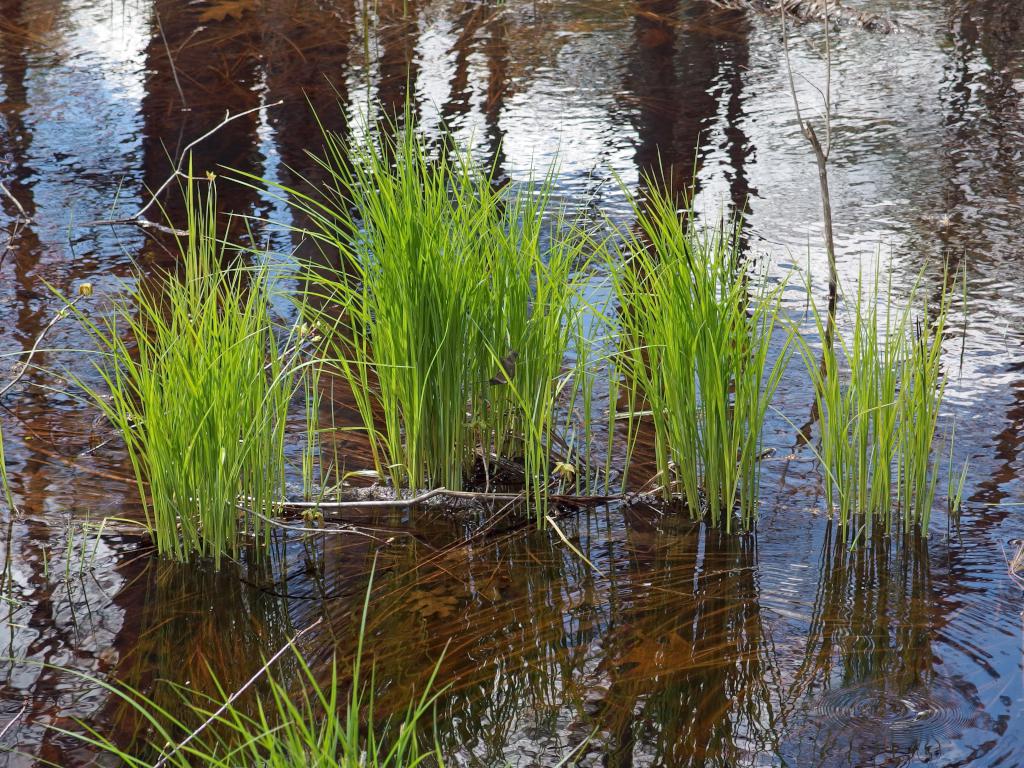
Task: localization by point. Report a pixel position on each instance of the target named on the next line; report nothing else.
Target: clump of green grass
(695, 341)
(878, 388)
(452, 312)
(198, 386)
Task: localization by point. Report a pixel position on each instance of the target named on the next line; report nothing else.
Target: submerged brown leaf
(222, 9)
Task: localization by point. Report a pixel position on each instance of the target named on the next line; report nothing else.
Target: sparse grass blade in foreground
(304, 722)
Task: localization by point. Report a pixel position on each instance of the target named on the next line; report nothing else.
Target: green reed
(695, 341)
(445, 281)
(198, 387)
(5, 480)
(878, 390)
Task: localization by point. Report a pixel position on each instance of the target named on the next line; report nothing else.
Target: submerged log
(813, 10)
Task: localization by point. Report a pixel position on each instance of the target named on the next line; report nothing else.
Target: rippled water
(688, 648)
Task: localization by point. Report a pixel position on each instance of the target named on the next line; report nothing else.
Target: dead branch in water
(381, 498)
(813, 10)
(21, 221)
(371, 498)
(1015, 565)
(139, 218)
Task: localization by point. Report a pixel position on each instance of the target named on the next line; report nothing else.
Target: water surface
(689, 648)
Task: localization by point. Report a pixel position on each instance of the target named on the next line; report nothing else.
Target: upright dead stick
(170, 58)
(821, 156)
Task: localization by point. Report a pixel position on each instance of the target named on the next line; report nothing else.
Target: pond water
(686, 647)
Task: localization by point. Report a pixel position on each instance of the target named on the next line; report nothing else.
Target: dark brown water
(689, 648)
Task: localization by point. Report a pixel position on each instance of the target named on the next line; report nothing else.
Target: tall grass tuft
(696, 334)
(878, 389)
(452, 311)
(198, 386)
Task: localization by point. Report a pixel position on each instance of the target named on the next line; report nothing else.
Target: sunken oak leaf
(220, 10)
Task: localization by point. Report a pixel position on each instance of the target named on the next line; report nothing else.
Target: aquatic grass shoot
(5, 480)
(198, 386)
(878, 388)
(696, 333)
(452, 312)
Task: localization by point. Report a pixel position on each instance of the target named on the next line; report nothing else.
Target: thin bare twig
(347, 528)
(60, 315)
(170, 58)
(139, 218)
(14, 720)
(17, 203)
(231, 699)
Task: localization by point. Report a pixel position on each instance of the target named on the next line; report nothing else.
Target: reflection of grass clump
(196, 385)
(696, 333)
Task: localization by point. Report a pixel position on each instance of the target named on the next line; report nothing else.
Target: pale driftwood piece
(14, 720)
(396, 503)
(231, 699)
